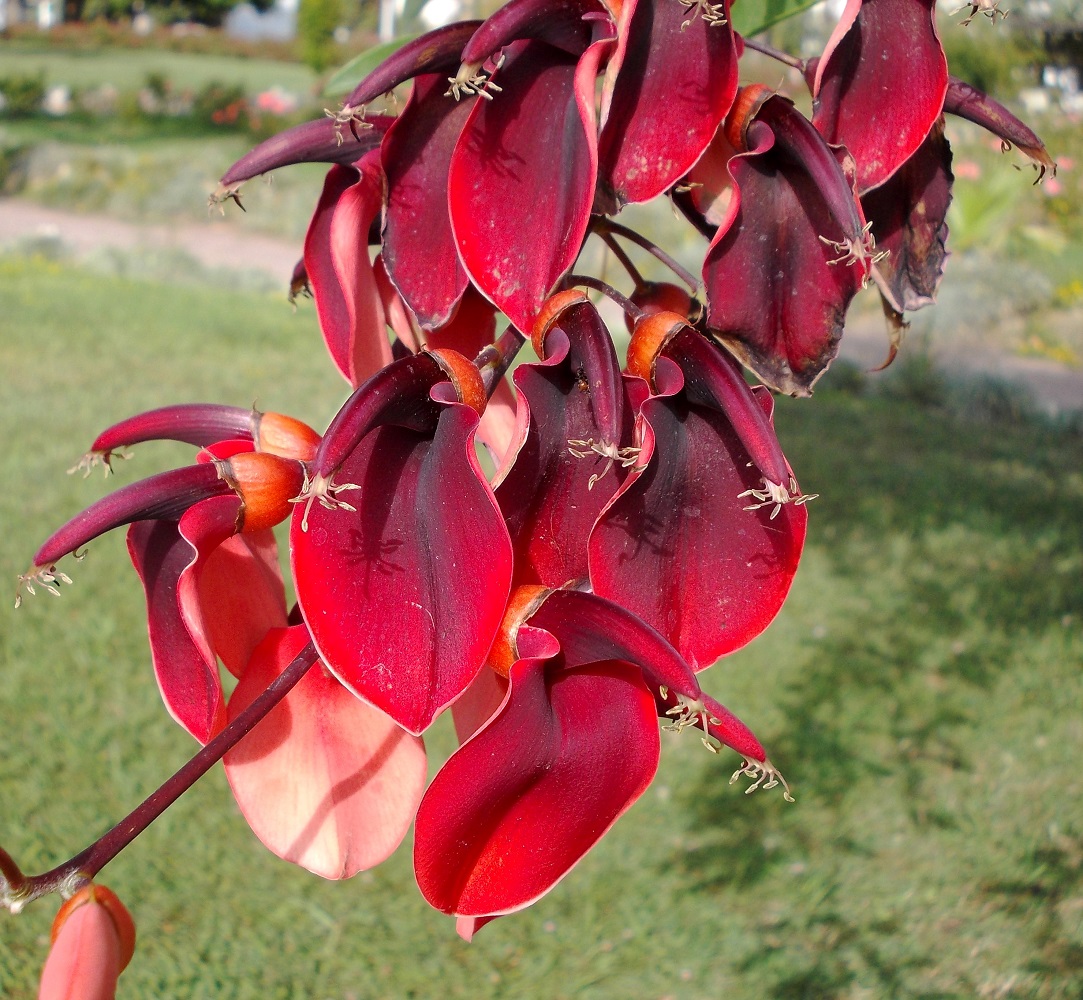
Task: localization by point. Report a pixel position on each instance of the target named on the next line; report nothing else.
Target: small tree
(316, 24)
(642, 521)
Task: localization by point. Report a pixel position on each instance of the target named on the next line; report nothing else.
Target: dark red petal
(434, 52)
(198, 424)
(398, 394)
(166, 556)
(551, 497)
(419, 248)
(479, 703)
(513, 811)
(324, 780)
(777, 293)
(678, 546)
(404, 595)
(672, 89)
(522, 176)
(565, 24)
(340, 273)
(591, 628)
(320, 141)
(909, 221)
(968, 102)
(166, 495)
(880, 84)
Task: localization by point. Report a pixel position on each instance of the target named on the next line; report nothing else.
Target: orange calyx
(550, 312)
(287, 437)
(118, 913)
(522, 603)
(746, 106)
(464, 376)
(649, 338)
(663, 296)
(265, 483)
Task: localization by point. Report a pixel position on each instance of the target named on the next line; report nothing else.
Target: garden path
(221, 244)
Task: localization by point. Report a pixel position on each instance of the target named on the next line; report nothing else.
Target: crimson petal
(678, 545)
(340, 273)
(168, 557)
(551, 496)
(909, 220)
(522, 176)
(786, 261)
(673, 86)
(591, 629)
(418, 246)
(880, 84)
(516, 807)
(404, 594)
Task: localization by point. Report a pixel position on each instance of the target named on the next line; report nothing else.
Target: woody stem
(493, 361)
(626, 262)
(769, 50)
(17, 891)
(602, 226)
(589, 281)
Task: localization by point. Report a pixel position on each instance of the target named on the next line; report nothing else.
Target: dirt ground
(218, 244)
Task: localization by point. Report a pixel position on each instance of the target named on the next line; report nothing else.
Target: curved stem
(626, 261)
(772, 52)
(601, 225)
(493, 361)
(588, 281)
(70, 875)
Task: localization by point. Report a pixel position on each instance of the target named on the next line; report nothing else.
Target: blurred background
(921, 690)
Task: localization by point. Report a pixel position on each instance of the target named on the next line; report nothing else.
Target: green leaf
(750, 17)
(348, 76)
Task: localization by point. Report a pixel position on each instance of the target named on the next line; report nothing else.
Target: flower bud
(92, 942)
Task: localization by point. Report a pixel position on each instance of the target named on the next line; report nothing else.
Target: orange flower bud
(93, 939)
(266, 483)
(277, 434)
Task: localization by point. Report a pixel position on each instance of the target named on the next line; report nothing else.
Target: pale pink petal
(325, 780)
(84, 961)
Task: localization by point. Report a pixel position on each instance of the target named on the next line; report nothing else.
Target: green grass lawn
(127, 69)
(921, 690)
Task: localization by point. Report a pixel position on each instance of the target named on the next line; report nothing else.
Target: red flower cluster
(642, 520)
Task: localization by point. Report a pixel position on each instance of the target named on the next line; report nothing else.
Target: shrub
(316, 23)
(23, 94)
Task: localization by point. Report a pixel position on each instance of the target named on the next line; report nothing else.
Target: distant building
(278, 23)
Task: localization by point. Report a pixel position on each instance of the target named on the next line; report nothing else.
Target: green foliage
(350, 74)
(751, 19)
(316, 23)
(23, 94)
(1000, 63)
(921, 691)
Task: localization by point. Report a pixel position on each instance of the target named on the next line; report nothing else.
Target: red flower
(404, 584)
(200, 542)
